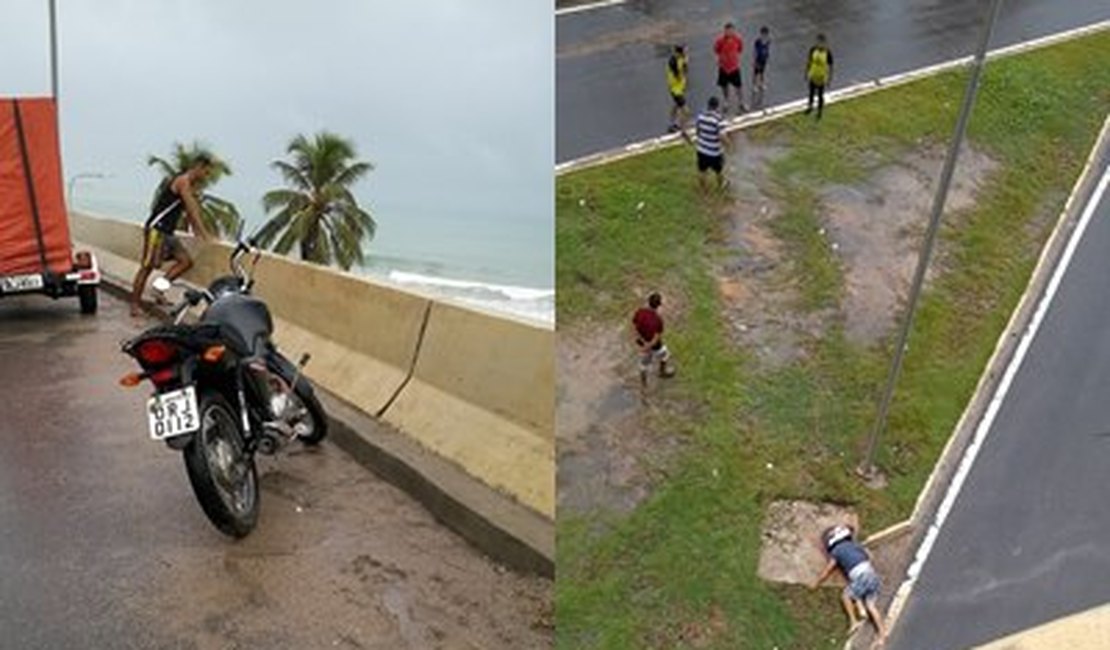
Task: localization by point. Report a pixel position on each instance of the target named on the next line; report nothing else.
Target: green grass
(685, 560)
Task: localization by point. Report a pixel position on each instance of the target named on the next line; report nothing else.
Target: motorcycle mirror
(239, 231)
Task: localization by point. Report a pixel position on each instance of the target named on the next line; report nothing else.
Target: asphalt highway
(609, 73)
(1026, 541)
(102, 544)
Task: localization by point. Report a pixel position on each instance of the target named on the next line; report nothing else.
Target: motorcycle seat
(246, 321)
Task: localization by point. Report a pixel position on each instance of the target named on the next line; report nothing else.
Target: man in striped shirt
(710, 142)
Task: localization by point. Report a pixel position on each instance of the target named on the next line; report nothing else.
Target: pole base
(871, 476)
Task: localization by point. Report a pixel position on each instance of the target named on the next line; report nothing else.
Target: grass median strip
(679, 570)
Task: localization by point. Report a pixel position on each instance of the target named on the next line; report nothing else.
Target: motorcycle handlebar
(181, 306)
(250, 244)
(193, 297)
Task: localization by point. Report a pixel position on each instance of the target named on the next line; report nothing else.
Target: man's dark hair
(820, 38)
(714, 103)
(730, 26)
(672, 62)
(763, 30)
(654, 300)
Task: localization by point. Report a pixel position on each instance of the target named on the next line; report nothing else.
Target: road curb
(570, 8)
(756, 118)
(495, 524)
(951, 457)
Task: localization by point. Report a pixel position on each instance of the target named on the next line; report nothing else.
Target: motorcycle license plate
(173, 414)
(19, 283)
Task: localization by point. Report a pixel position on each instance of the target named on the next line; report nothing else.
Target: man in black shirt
(175, 196)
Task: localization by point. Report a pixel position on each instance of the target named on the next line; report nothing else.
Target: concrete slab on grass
(791, 539)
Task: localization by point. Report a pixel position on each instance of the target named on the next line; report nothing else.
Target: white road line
(855, 90)
(600, 4)
(1000, 394)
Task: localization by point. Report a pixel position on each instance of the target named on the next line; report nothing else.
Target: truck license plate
(20, 283)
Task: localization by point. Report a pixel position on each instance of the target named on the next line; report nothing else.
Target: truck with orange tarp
(36, 254)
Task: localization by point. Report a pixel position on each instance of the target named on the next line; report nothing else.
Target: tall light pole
(54, 51)
(867, 467)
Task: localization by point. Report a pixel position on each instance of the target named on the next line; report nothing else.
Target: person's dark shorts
(760, 66)
(716, 163)
(159, 247)
(728, 78)
(679, 100)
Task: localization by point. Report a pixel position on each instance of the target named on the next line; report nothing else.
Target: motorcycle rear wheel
(223, 475)
(317, 420)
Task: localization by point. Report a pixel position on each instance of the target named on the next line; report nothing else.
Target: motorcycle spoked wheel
(223, 475)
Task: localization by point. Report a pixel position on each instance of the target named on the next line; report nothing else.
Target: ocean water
(452, 103)
(485, 263)
(533, 304)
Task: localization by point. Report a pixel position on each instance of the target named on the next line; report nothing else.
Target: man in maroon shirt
(647, 325)
(728, 47)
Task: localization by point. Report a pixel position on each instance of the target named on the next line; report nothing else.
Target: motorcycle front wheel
(223, 475)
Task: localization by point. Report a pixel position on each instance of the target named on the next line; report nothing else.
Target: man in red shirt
(647, 325)
(728, 47)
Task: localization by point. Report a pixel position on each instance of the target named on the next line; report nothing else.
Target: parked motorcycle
(223, 392)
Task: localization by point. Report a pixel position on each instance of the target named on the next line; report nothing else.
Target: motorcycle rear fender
(287, 371)
(179, 443)
(192, 373)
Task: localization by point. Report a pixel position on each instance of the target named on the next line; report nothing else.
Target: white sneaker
(160, 286)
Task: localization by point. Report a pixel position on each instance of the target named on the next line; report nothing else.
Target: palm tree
(317, 210)
(219, 216)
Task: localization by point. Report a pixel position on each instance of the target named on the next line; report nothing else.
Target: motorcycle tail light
(163, 376)
(155, 352)
(131, 379)
(214, 353)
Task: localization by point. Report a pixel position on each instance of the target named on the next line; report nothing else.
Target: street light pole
(867, 468)
(53, 51)
(73, 181)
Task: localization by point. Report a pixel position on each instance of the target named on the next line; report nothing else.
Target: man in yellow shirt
(676, 82)
(819, 68)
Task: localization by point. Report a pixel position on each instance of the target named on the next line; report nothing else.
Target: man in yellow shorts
(676, 82)
(819, 70)
(176, 196)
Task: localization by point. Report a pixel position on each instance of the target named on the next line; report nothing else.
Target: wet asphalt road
(1026, 541)
(103, 546)
(610, 83)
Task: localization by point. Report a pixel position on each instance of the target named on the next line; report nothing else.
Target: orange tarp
(23, 244)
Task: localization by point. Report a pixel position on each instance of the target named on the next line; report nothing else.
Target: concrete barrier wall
(475, 388)
(117, 237)
(480, 380)
(362, 336)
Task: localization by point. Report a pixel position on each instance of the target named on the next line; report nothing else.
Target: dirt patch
(791, 548)
(607, 452)
(754, 280)
(877, 230)
(875, 227)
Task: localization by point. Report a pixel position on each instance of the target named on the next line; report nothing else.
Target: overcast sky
(452, 101)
